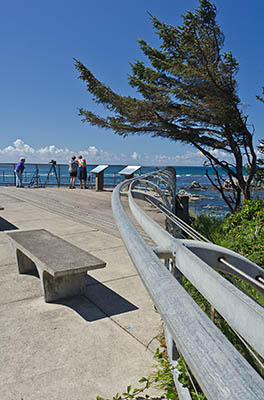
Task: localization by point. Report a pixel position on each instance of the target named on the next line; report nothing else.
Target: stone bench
(61, 266)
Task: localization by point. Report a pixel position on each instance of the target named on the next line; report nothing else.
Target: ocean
(210, 201)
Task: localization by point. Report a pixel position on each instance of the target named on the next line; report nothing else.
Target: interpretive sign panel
(99, 169)
(130, 170)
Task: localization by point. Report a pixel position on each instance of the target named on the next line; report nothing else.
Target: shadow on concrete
(31, 273)
(98, 302)
(106, 299)
(6, 226)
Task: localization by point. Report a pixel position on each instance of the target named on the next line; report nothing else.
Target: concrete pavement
(82, 347)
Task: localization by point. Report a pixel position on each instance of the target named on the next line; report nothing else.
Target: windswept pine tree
(189, 94)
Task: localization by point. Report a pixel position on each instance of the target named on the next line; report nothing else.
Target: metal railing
(220, 370)
(43, 175)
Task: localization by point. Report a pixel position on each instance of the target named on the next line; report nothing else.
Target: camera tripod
(35, 180)
(52, 170)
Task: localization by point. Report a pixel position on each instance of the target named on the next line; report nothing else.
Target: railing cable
(259, 361)
(234, 282)
(243, 274)
(179, 222)
(190, 377)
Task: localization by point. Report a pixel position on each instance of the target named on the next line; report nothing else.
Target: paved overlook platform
(78, 348)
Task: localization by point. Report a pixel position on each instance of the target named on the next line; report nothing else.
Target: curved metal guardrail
(218, 367)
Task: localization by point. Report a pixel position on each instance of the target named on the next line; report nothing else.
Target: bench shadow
(6, 226)
(31, 273)
(98, 302)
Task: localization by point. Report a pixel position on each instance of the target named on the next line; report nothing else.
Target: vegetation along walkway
(74, 349)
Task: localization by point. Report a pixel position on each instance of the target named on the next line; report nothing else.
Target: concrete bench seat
(61, 266)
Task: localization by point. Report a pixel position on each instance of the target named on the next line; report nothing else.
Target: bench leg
(25, 265)
(62, 287)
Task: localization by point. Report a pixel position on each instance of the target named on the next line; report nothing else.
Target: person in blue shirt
(82, 172)
(19, 172)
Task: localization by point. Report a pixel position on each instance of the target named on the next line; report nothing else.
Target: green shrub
(242, 232)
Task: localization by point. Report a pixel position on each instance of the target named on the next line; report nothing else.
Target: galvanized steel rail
(218, 367)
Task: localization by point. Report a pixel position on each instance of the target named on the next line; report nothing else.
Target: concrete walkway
(82, 347)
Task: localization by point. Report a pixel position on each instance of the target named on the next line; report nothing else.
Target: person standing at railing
(19, 172)
(82, 172)
(73, 167)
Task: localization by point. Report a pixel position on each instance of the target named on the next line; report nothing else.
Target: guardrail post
(182, 208)
(176, 272)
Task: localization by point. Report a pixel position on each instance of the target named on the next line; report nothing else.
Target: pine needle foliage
(188, 94)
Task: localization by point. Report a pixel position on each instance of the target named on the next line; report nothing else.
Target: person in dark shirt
(73, 167)
(19, 172)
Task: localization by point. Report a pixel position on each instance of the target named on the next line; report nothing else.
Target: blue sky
(40, 92)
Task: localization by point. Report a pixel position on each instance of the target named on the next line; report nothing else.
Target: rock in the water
(192, 197)
(195, 185)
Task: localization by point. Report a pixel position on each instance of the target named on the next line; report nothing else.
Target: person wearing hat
(82, 172)
(19, 172)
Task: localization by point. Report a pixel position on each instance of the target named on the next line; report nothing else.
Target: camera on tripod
(52, 171)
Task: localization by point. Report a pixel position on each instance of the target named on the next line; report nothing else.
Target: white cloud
(94, 155)
(189, 158)
(135, 156)
(222, 155)
(93, 150)
(19, 148)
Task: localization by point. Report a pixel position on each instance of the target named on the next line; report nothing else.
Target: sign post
(99, 177)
